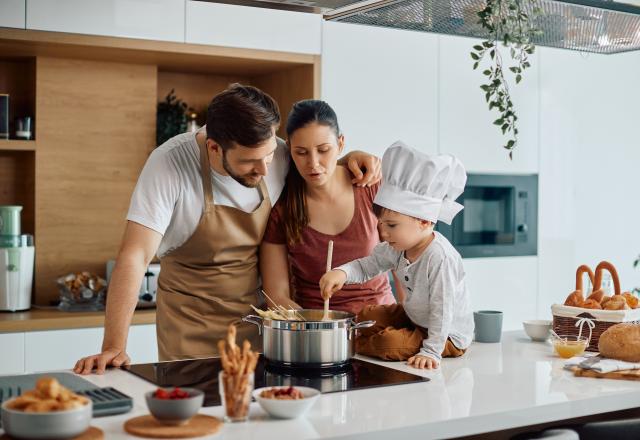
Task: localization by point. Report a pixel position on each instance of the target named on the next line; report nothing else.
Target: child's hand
(331, 282)
(423, 362)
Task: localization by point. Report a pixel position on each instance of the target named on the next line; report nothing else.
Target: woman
(319, 204)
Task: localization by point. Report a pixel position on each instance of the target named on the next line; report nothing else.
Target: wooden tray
(147, 426)
(621, 374)
(92, 433)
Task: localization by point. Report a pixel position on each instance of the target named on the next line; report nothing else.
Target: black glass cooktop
(203, 374)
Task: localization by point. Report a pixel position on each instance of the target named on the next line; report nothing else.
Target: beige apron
(212, 279)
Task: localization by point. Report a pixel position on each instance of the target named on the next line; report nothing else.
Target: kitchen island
(494, 387)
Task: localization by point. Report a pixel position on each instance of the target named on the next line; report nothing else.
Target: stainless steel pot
(312, 343)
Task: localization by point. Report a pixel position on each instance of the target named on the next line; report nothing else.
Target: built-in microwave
(499, 219)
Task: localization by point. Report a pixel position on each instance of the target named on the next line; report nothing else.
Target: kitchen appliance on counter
(149, 287)
(203, 374)
(499, 219)
(17, 256)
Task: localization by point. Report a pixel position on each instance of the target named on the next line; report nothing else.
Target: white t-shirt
(168, 197)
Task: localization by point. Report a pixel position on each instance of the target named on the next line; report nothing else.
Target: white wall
(579, 129)
(589, 162)
(382, 84)
(387, 84)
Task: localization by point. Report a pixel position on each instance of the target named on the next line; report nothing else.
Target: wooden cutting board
(622, 374)
(146, 426)
(92, 433)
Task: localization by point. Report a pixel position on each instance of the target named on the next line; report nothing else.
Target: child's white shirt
(437, 297)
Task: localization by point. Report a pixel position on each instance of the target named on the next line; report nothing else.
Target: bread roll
(617, 302)
(621, 341)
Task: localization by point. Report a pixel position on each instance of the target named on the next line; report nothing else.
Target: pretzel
(579, 272)
(605, 265)
(576, 298)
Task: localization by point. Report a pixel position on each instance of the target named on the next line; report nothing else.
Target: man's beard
(242, 180)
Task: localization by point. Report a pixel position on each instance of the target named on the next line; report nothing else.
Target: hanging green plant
(509, 22)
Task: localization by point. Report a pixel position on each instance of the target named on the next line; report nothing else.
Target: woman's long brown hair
(296, 214)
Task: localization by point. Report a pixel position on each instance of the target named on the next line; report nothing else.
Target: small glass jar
(235, 393)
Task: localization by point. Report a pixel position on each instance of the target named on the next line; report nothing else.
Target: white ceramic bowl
(537, 329)
(287, 409)
(46, 425)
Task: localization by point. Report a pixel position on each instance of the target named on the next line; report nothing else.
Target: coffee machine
(17, 256)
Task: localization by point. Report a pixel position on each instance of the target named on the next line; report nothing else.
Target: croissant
(597, 295)
(604, 301)
(591, 304)
(632, 300)
(575, 299)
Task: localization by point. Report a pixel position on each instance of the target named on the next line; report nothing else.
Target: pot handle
(255, 320)
(359, 325)
(363, 324)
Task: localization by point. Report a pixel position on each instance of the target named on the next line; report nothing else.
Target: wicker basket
(566, 317)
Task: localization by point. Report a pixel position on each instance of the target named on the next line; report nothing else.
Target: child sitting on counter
(435, 318)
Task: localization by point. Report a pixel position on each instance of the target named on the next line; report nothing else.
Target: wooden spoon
(325, 314)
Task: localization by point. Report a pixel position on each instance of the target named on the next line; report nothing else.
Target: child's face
(401, 231)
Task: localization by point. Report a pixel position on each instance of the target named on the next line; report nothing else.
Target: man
(202, 203)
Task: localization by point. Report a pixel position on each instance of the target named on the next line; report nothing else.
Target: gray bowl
(175, 412)
(47, 425)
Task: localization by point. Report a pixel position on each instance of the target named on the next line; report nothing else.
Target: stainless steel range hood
(598, 26)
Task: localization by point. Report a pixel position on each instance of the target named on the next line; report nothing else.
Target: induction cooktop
(203, 374)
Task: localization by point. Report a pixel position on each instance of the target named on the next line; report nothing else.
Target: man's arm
(138, 247)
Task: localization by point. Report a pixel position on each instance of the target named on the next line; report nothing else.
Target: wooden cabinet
(95, 121)
(12, 347)
(146, 19)
(251, 27)
(12, 13)
(60, 349)
(383, 85)
(465, 123)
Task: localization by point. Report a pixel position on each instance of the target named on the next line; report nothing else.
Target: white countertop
(493, 387)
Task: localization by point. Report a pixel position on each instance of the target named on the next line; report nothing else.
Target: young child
(435, 318)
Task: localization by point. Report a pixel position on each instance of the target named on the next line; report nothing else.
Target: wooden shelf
(17, 145)
(53, 319)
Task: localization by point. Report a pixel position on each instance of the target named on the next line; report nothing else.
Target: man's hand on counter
(114, 357)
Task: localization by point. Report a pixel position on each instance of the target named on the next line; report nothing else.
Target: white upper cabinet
(382, 83)
(466, 125)
(12, 13)
(146, 19)
(253, 28)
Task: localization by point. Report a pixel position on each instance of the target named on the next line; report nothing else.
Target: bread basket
(571, 320)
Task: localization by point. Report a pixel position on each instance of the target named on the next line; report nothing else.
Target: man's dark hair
(242, 114)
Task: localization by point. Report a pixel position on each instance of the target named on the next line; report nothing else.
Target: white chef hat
(419, 185)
